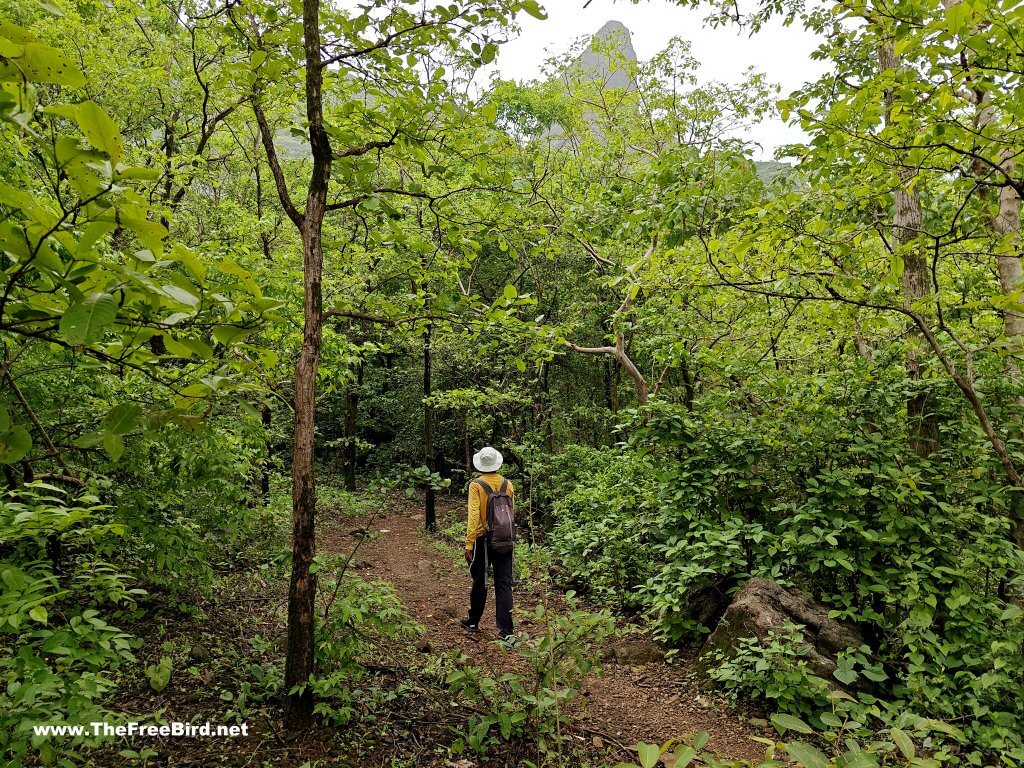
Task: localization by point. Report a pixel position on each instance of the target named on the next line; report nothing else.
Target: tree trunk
(266, 417)
(689, 390)
(547, 414)
(620, 354)
(351, 428)
(428, 431)
(302, 592)
(1006, 225)
(908, 220)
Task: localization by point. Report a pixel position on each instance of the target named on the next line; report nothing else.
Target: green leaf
(858, 759)
(783, 723)
(89, 440)
(230, 334)
(138, 173)
(92, 234)
(5, 419)
(957, 16)
(14, 445)
(195, 390)
(845, 675)
(47, 753)
(15, 33)
(53, 8)
(113, 445)
(807, 755)
(10, 49)
(181, 295)
(1012, 612)
(85, 320)
(151, 234)
(43, 64)
(648, 754)
(533, 8)
(39, 614)
(188, 259)
(185, 348)
(159, 674)
(122, 418)
(101, 131)
(903, 742)
(830, 720)
(684, 756)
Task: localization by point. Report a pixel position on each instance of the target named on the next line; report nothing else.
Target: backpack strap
(484, 484)
(504, 486)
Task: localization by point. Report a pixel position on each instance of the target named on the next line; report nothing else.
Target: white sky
(782, 53)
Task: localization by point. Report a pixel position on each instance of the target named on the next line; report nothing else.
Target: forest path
(651, 703)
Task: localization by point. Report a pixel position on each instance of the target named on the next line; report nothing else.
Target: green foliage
(564, 651)
(58, 647)
(894, 746)
(148, 325)
(773, 673)
(187, 501)
(356, 615)
(603, 526)
(159, 674)
(815, 495)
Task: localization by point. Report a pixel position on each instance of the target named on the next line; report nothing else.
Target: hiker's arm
(473, 521)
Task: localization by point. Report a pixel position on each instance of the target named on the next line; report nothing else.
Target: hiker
(490, 535)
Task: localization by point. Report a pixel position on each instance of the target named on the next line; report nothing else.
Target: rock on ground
(762, 606)
(636, 653)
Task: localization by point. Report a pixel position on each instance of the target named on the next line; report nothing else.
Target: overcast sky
(782, 53)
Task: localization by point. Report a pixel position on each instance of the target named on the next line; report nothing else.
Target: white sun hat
(487, 460)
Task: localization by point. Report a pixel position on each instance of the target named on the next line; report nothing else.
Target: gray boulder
(762, 606)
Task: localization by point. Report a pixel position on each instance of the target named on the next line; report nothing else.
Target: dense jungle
(276, 270)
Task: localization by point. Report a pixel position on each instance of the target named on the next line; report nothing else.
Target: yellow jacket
(477, 523)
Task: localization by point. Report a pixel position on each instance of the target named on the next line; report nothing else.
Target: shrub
(354, 614)
(605, 527)
(773, 672)
(560, 656)
(58, 649)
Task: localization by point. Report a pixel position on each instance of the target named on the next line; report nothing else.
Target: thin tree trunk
(689, 390)
(267, 418)
(908, 221)
(302, 591)
(466, 446)
(1006, 225)
(351, 428)
(428, 430)
(547, 414)
(619, 353)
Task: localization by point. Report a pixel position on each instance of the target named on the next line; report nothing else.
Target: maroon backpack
(501, 521)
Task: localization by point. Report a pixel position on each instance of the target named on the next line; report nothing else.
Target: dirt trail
(651, 703)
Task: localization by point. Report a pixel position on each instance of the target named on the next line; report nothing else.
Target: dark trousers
(501, 562)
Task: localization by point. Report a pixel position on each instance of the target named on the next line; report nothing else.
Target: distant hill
(601, 66)
(768, 170)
